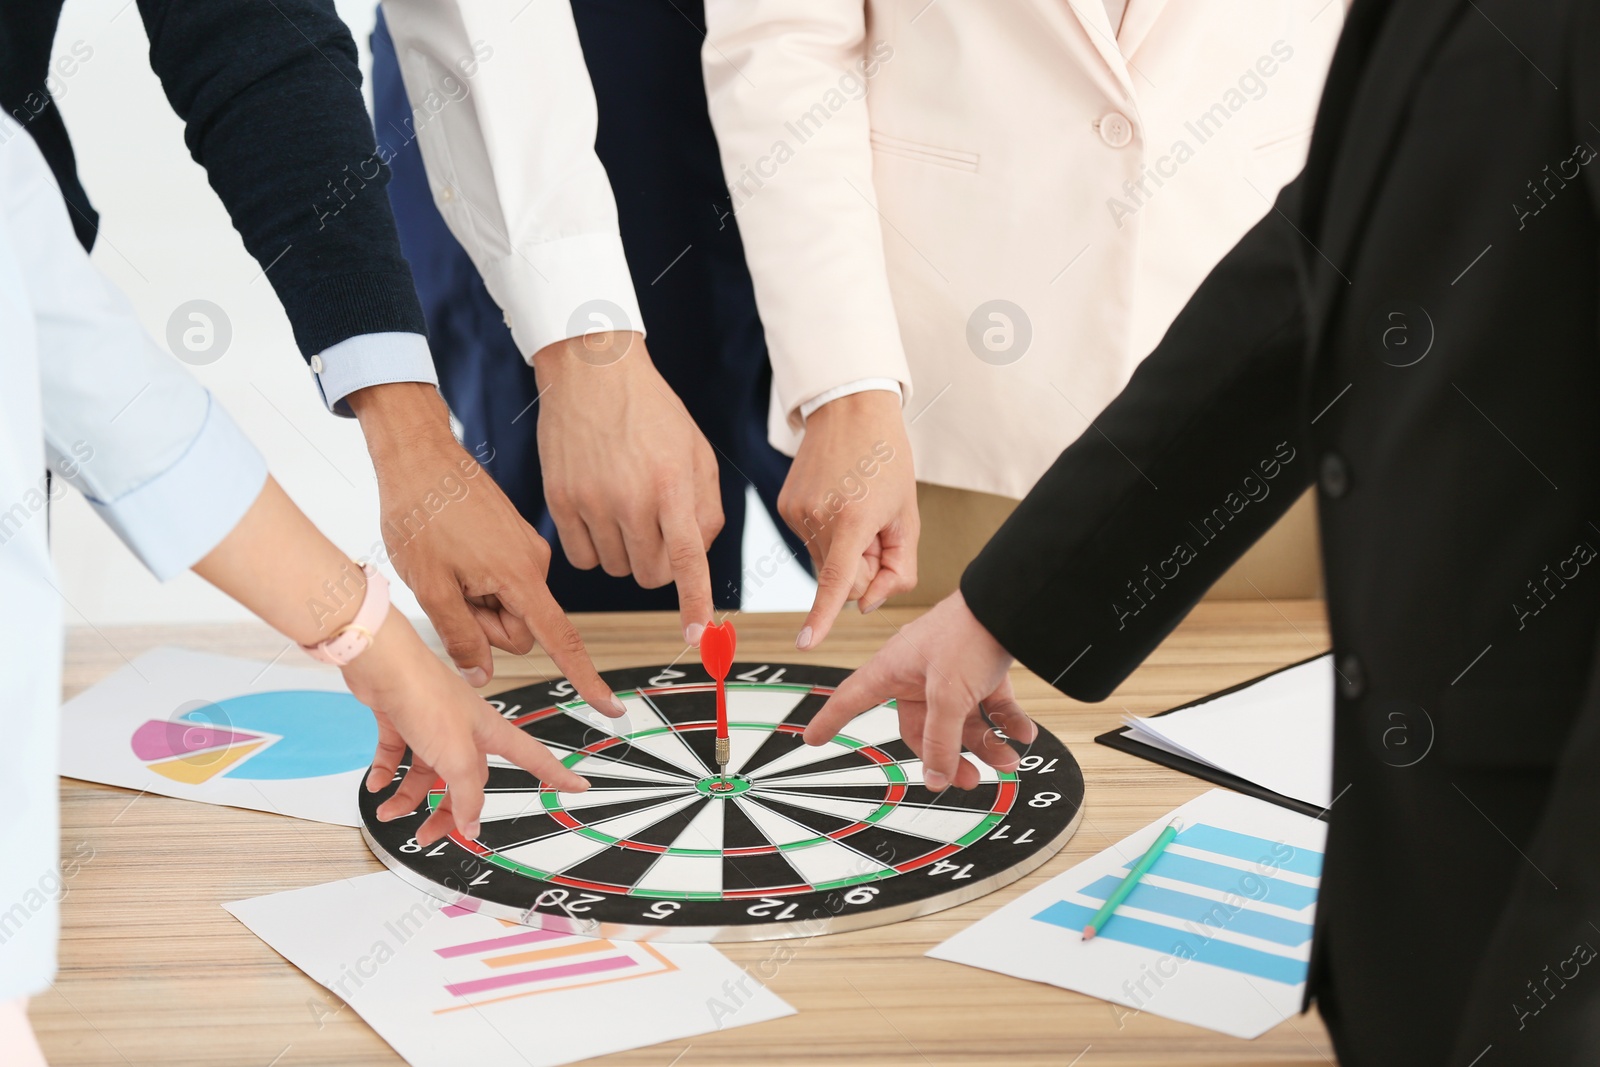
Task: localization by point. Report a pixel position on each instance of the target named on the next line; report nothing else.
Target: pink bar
(528, 938)
(455, 911)
(566, 970)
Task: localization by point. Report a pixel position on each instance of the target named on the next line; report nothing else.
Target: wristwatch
(356, 637)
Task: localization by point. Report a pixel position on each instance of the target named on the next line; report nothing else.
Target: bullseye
(722, 788)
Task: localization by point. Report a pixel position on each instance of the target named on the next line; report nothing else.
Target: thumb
(386, 760)
(464, 640)
(897, 567)
(836, 580)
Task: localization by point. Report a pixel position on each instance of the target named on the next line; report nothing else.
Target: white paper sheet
(447, 987)
(290, 740)
(1218, 934)
(1277, 733)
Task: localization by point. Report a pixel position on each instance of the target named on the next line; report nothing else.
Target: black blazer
(1411, 328)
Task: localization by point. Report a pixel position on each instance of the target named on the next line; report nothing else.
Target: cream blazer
(999, 204)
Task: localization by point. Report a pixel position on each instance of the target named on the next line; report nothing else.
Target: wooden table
(153, 971)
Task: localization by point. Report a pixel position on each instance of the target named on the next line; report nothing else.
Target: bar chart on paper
(446, 985)
(518, 962)
(1180, 896)
(1217, 933)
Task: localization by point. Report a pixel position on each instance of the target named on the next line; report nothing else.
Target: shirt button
(1115, 129)
(1352, 679)
(1335, 476)
(447, 194)
(316, 364)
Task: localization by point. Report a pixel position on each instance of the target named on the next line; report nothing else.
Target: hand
(852, 496)
(278, 565)
(477, 567)
(630, 480)
(449, 728)
(938, 670)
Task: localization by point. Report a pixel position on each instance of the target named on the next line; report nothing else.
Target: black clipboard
(1134, 747)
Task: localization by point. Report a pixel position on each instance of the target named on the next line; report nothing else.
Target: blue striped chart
(1199, 918)
(1190, 908)
(1225, 879)
(1180, 943)
(1252, 849)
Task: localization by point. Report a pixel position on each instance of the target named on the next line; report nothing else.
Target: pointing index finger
(562, 643)
(686, 555)
(863, 690)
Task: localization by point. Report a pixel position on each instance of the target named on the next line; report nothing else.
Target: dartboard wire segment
(792, 841)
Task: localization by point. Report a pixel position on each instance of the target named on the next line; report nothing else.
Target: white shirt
(84, 390)
(505, 114)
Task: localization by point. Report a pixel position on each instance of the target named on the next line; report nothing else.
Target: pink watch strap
(356, 638)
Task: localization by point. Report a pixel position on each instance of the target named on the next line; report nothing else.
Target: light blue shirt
(84, 390)
(370, 359)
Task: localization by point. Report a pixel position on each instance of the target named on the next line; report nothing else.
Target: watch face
(793, 840)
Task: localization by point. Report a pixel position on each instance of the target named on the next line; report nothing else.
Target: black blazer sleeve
(1191, 463)
(270, 96)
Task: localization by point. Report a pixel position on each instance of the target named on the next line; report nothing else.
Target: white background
(165, 239)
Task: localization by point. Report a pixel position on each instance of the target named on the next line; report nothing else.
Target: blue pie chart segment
(321, 733)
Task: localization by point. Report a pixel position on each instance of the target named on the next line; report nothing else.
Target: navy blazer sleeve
(270, 96)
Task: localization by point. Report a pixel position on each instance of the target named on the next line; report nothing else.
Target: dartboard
(791, 841)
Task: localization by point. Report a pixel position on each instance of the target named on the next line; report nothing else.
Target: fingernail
(476, 677)
(616, 702)
(935, 781)
(471, 829)
(692, 632)
(871, 606)
(803, 641)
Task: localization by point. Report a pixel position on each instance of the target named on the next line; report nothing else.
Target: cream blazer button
(1115, 129)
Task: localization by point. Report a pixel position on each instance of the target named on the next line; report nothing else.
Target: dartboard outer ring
(1030, 816)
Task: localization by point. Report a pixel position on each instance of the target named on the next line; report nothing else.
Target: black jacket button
(1335, 476)
(1352, 679)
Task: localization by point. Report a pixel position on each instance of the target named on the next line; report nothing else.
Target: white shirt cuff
(370, 359)
(888, 385)
(565, 288)
(175, 519)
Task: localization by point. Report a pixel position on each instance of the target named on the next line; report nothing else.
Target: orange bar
(548, 953)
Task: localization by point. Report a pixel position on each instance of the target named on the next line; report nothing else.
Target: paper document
(290, 740)
(1217, 934)
(1277, 733)
(446, 986)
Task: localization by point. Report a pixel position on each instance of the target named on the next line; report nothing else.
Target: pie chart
(271, 736)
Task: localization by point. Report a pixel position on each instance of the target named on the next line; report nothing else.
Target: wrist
(341, 640)
(397, 417)
(568, 359)
(389, 658)
(868, 409)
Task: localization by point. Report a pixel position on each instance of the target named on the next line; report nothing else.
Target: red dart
(716, 655)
